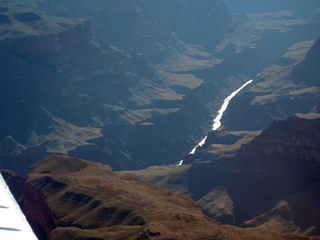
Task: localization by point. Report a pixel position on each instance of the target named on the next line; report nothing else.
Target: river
(217, 121)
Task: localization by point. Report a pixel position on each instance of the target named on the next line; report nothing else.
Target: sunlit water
(217, 121)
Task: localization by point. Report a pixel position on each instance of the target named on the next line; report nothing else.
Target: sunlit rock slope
(68, 198)
(130, 84)
(271, 183)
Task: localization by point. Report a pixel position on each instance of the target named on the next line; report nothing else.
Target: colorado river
(217, 121)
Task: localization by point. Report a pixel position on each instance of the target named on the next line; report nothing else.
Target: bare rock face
(218, 205)
(271, 183)
(63, 91)
(154, 28)
(288, 87)
(45, 61)
(31, 43)
(294, 138)
(268, 178)
(69, 198)
(27, 34)
(308, 71)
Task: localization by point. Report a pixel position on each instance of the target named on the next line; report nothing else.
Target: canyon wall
(129, 84)
(67, 198)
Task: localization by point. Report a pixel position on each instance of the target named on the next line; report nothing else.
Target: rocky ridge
(296, 138)
(161, 31)
(271, 183)
(74, 85)
(288, 87)
(71, 198)
(107, 99)
(81, 96)
(273, 172)
(283, 160)
(72, 90)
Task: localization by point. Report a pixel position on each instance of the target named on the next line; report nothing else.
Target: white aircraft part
(13, 223)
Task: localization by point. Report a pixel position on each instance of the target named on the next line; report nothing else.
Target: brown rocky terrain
(281, 162)
(64, 91)
(69, 198)
(271, 183)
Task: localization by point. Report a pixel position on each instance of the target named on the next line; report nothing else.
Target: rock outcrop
(268, 177)
(308, 71)
(69, 198)
(294, 138)
(158, 30)
(288, 87)
(271, 183)
(70, 93)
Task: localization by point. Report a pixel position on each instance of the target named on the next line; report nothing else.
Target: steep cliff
(71, 93)
(160, 30)
(68, 198)
(294, 138)
(29, 39)
(271, 183)
(288, 87)
(265, 175)
(267, 178)
(308, 71)
(42, 64)
(262, 183)
(63, 91)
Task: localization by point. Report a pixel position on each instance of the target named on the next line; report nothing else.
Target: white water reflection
(217, 121)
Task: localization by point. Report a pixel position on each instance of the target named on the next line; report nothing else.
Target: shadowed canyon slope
(289, 87)
(271, 183)
(78, 95)
(68, 198)
(269, 179)
(136, 83)
(74, 94)
(131, 84)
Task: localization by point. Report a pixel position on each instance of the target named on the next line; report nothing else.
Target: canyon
(130, 86)
(265, 179)
(133, 86)
(270, 182)
(69, 198)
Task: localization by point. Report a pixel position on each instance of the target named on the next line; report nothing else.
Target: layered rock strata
(68, 198)
(271, 183)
